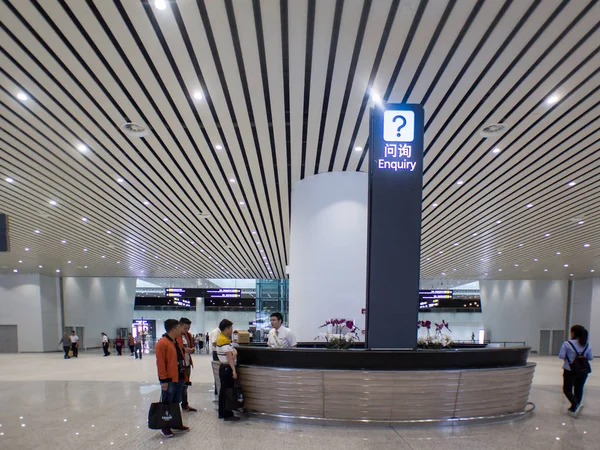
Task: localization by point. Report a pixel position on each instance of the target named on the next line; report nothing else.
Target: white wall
(595, 318)
(20, 305)
(462, 324)
(581, 304)
(50, 312)
(98, 304)
(328, 251)
(518, 310)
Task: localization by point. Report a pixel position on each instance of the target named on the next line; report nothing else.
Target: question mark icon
(401, 126)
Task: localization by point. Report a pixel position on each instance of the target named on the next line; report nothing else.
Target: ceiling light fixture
(68, 262)
(26, 249)
(459, 182)
(558, 253)
(84, 219)
(160, 4)
(219, 147)
(57, 270)
(592, 270)
(109, 232)
(434, 205)
(566, 265)
(15, 271)
(552, 99)
(53, 202)
(529, 205)
(82, 148)
(232, 180)
(535, 260)
(547, 235)
(545, 270)
(20, 261)
(10, 180)
(37, 231)
(165, 219)
(120, 180)
(496, 150)
(64, 242)
(581, 222)
(242, 203)
(498, 221)
(40, 267)
(358, 149)
(85, 249)
(146, 202)
(21, 96)
(586, 245)
(103, 257)
(375, 97)
(572, 183)
(198, 95)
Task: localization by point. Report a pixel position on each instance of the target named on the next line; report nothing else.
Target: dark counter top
(360, 359)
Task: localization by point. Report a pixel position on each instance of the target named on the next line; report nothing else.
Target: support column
(328, 251)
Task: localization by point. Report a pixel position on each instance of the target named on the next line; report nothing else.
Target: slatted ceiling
(89, 66)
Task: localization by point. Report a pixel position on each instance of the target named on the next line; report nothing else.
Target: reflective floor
(102, 403)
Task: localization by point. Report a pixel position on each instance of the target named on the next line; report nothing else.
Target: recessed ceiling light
(441, 251)
(459, 182)
(456, 243)
(434, 205)
(15, 271)
(21, 96)
(558, 253)
(499, 253)
(160, 4)
(498, 221)
(529, 205)
(219, 147)
(53, 202)
(85, 267)
(37, 231)
(40, 267)
(499, 270)
(10, 180)
(156, 256)
(232, 180)
(20, 261)
(375, 97)
(146, 202)
(443, 273)
(68, 262)
(545, 270)
(26, 249)
(180, 231)
(592, 270)
(358, 149)
(103, 256)
(57, 270)
(84, 219)
(109, 232)
(552, 99)
(485, 273)
(572, 183)
(85, 249)
(63, 242)
(586, 245)
(198, 95)
(570, 274)
(580, 222)
(82, 148)
(547, 235)
(566, 265)
(119, 262)
(535, 260)
(520, 245)
(165, 219)
(120, 180)
(496, 150)
(242, 203)
(516, 265)
(474, 234)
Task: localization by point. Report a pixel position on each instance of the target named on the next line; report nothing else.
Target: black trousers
(105, 348)
(119, 349)
(131, 347)
(138, 351)
(66, 349)
(573, 387)
(226, 378)
(75, 350)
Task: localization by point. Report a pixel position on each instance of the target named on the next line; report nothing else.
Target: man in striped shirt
(227, 355)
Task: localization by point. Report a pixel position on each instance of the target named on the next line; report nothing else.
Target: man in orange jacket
(170, 362)
(186, 343)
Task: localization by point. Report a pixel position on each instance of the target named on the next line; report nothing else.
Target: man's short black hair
(170, 324)
(225, 324)
(277, 315)
(185, 321)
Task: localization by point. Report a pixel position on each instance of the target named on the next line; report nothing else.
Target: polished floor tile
(102, 403)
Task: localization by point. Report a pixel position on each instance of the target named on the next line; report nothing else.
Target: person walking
(66, 344)
(131, 343)
(186, 343)
(119, 345)
(227, 355)
(105, 344)
(74, 343)
(576, 354)
(171, 368)
(138, 347)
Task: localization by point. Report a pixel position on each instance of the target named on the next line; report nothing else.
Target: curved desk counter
(386, 386)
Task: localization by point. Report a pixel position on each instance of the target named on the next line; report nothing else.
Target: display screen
(173, 302)
(203, 293)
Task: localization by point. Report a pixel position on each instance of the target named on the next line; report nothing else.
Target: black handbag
(164, 415)
(234, 398)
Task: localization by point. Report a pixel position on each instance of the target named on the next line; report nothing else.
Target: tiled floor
(101, 403)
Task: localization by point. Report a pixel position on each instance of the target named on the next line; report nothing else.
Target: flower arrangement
(440, 340)
(343, 333)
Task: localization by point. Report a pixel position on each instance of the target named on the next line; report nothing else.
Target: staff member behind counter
(280, 336)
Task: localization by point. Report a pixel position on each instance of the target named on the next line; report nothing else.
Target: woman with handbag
(576, 354)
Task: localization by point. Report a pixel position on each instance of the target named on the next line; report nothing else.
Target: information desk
(385, 385)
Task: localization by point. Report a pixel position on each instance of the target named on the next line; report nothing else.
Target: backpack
(580, 366)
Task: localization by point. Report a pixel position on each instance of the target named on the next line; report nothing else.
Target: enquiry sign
(398, 134)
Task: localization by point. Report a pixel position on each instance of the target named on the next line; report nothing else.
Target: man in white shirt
(74, 343)
(105, 344)
(213, 336)
(280, 336)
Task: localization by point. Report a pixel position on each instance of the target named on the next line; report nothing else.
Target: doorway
(9, 339)
(558, 337)
(544, 342)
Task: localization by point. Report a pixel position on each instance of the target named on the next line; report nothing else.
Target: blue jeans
(173, 394)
